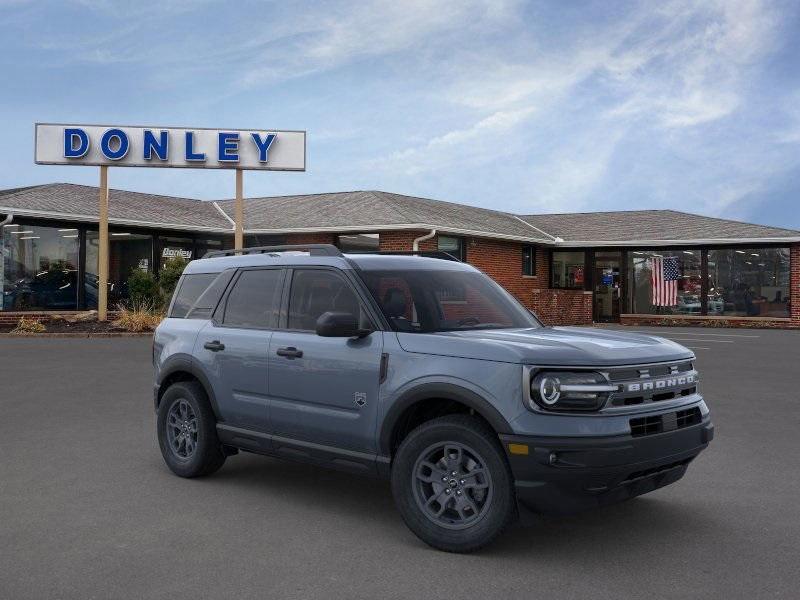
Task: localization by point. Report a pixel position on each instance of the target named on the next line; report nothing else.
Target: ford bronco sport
(424, 371)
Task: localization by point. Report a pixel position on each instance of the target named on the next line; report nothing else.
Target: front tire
(452, 484)
(187, 432)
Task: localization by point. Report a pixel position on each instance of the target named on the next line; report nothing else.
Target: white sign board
(182, 147)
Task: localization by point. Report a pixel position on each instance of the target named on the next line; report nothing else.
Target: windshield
(429, 301)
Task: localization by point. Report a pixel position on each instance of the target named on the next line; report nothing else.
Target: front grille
(651, 425)
(652, 383)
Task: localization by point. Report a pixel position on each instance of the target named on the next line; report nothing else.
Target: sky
(529, 107)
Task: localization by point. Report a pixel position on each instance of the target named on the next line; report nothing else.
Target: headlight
(568, 390)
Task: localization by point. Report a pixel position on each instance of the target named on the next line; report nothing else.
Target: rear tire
(452, 484)
(187, 431)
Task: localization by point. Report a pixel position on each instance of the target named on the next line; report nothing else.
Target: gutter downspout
(427, 236)
(7, 220)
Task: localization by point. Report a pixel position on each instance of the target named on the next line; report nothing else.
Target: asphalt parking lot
(88, 509)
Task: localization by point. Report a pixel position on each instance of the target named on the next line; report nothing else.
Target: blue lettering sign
(159, 146)
(228, 147)
(263, 145)
(122, 144)
(190, 153)
(73, 136)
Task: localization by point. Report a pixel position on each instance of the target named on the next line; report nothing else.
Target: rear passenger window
(315, 292)
(254, 300)
(204, 306)
(191, 287)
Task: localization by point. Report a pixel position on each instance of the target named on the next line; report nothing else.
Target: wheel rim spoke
(452, 486)
(182, 429)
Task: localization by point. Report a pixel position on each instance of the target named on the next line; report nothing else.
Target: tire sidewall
(472, 433)
(208, 450)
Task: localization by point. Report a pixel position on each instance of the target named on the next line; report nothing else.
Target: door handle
(214, 346)
(290, 352)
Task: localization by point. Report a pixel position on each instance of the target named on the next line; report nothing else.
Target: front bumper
(567, 475)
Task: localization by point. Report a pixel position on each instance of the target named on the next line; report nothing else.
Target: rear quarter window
(190, 288)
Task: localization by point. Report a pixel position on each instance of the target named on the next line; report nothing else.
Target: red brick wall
(563, 307)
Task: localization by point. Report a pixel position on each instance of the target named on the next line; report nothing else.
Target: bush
(139, 317)
(143, 288)
(169, 275)
(26, 325)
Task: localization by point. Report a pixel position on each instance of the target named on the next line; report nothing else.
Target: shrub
(139, 317)
(169, 275)
(143, 288)
(26, 325)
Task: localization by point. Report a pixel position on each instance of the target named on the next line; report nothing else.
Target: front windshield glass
(429, 301)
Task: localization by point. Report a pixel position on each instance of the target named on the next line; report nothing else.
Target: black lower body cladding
(568, 475)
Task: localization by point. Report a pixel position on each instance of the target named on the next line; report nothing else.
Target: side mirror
(339, 324)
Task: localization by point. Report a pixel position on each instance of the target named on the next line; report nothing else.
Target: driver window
(315, 292)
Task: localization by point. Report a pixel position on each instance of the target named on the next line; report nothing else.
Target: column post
(102, 255)
(239, 212)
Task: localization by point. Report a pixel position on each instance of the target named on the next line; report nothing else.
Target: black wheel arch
(437, 391)
(181, 368)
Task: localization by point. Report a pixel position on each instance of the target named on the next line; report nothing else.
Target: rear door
(324, 390)
(232, 348)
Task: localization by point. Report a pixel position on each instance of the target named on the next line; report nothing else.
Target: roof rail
(313, 250)
(441, 254)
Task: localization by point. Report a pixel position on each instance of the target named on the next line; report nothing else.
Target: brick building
(569, 268)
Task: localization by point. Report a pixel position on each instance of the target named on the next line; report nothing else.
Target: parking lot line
(681, 339)
(697, 348)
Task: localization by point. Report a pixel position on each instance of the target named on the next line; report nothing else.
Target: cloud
(467, 146)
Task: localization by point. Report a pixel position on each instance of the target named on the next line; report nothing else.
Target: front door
(607, 286)
(324, 390)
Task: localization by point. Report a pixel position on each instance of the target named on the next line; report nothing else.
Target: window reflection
(747, 282)
(39, 268)
(666, 282)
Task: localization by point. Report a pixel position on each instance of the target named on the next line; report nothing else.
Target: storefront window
(665, 282)
(209, 245)
(747, 282)
(128, 251)
(39, 268)
(254, 240)
(176, 247)
(568, 269)
(359, 242)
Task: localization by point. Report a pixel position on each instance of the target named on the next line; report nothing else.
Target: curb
(121, 334)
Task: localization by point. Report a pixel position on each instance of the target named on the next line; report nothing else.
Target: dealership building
(650, 266)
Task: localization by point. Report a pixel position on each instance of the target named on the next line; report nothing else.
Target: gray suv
(423, 371)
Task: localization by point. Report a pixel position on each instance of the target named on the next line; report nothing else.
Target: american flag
(664, 279)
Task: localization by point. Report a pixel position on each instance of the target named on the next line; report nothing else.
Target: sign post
(103, 253)
(175, 147)
(238, 236)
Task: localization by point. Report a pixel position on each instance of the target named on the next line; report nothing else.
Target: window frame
(218, 318)
(533, 260)
(461, 255)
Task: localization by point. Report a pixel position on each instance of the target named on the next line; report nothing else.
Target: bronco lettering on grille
(660, 384)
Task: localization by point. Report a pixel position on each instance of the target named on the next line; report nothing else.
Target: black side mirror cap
(339, 324)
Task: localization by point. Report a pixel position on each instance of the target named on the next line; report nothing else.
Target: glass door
(607, 286)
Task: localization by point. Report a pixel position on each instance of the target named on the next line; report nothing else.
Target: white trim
(554, 238)
(224, 214)
(94, 219)
(686, 242)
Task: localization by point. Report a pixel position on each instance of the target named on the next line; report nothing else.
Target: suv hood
(556, 346)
